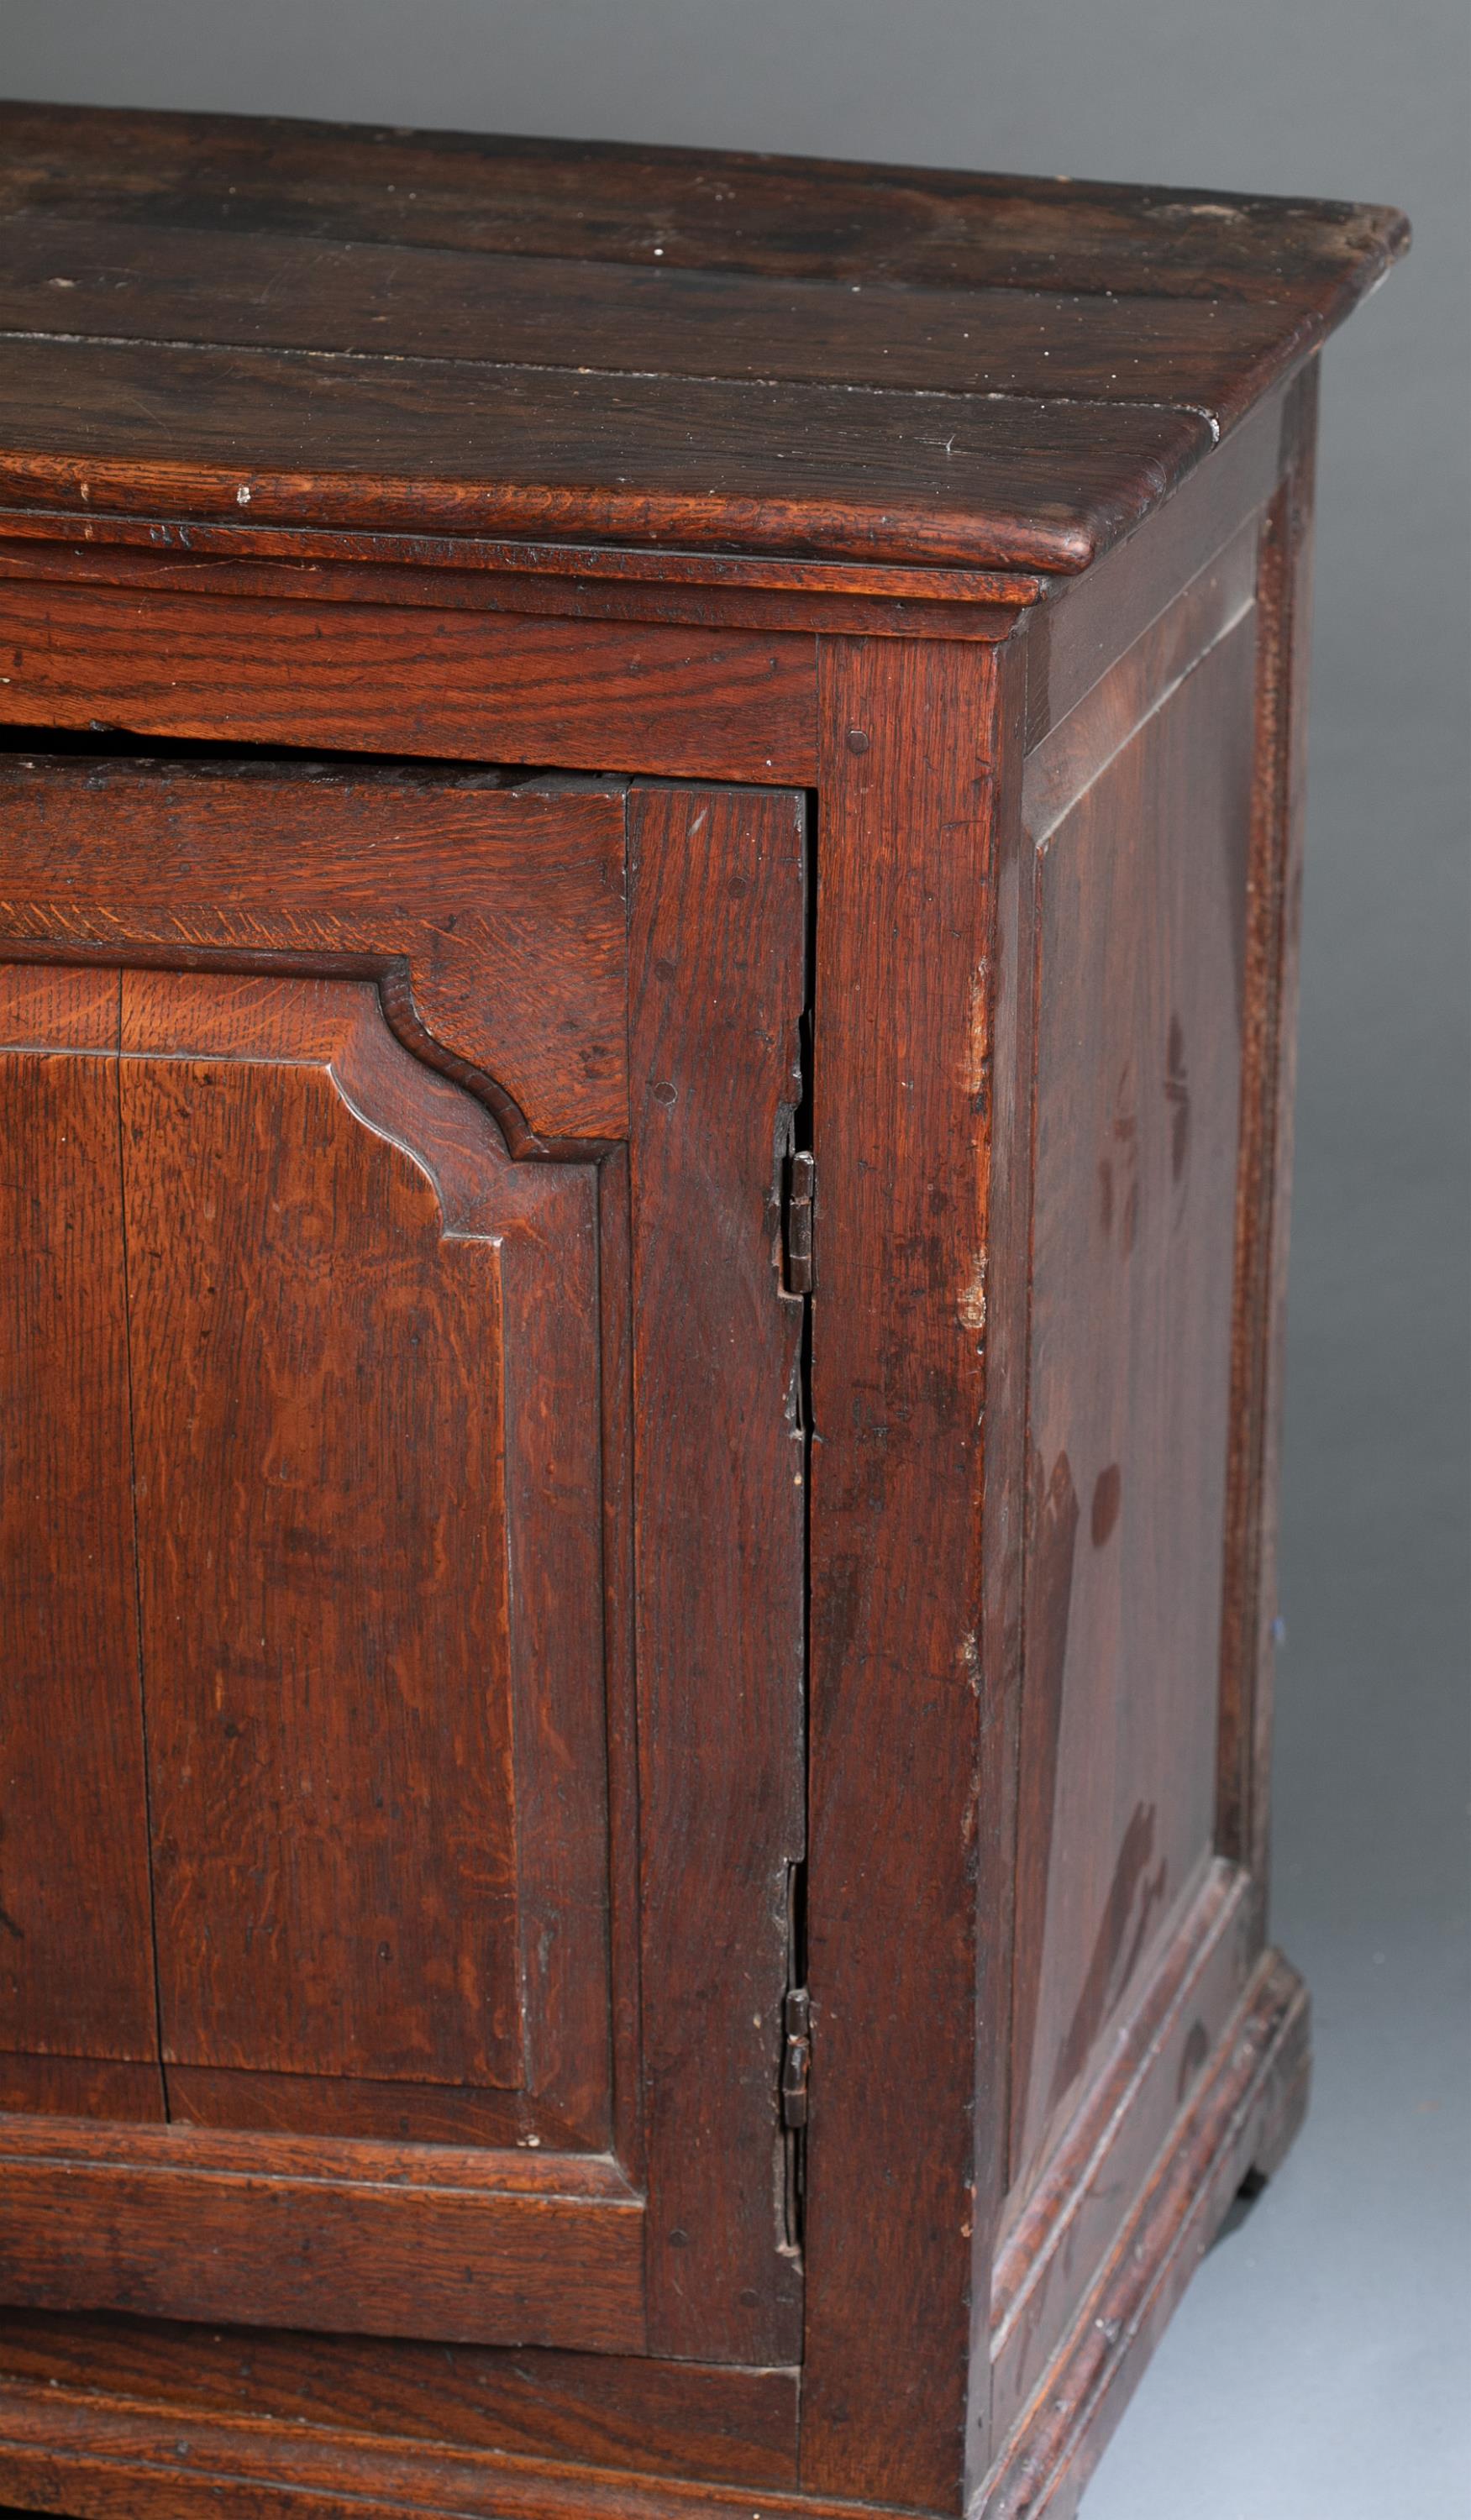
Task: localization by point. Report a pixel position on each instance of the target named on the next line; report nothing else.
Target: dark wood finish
(81, 2087)
(717, 940)
(1140, 913)
(1268, 1063)
(370, 1607)
(1242, 2120)
(618, 2410)
(705, 365)
(1076, 638)
(282, 291)
(583, 582)
(522, 2053)
(494, 911)
(867, 478)
(1079, 748)
(68, 1625)
(131, 2222)
(729, 705)
(897, 1690)
(1068, 2219)
(400, 2111)
(922, 226)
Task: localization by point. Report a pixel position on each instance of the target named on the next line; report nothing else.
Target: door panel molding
(651, 1752)
(492, 917)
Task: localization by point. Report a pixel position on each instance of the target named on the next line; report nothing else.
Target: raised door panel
(68, 1635)
(318, 1386)
(458, 1937)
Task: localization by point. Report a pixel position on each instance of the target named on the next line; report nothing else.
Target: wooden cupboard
(648, 897)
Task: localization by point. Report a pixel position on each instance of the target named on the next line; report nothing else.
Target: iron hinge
(796, 2056)
(799, 1190)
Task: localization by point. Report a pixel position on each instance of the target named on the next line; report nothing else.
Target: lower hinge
(796, 2056)
(798, 1197)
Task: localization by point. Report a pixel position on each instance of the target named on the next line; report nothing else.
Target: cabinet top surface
(294, 323)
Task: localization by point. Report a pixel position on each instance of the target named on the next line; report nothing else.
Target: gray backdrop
(1317, 2370)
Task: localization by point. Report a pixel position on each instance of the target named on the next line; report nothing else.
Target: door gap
(106, 743)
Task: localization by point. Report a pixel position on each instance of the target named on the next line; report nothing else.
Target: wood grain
(716, 952)
(81, 2087)
(1141, 914)
(616, 2410)
(721, 704)
(489, 193)
(277, 290)
(429, 1296)
(1102, 2161)
(459, 2263)
(329, 1751)
(577, 581)
(499, 910)
(905, 913)
(1080, 747)
(564, 342)
(401, 2111)
(1079, 635)
(1243, 2115)
(1014, 483)
(1268, 1063)
(481, 572)
(111, 2461)
(68, 1628)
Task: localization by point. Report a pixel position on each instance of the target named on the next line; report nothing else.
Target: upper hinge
(798, 1195)
(796, 2056)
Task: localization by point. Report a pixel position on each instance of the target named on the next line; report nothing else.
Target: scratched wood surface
(618, 344)
(979, 506)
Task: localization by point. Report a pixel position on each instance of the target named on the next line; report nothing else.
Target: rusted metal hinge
(799, 1190)
(796, 2056)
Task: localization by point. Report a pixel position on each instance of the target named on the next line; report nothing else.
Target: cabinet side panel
(1140, 913)
(74, 1828)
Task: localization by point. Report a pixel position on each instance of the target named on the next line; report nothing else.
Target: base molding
(1242, 2118)
(111, 2458)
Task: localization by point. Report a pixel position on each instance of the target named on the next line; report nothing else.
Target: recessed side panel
(1141, 908)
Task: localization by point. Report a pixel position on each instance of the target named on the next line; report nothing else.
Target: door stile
(717, 988)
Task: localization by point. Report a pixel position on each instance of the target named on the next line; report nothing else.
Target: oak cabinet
(647, 920)
(325, 1368)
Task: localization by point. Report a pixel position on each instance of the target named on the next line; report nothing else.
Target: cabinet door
(402, 1551)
